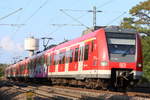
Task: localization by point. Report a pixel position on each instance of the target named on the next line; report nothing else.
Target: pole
(94, 16)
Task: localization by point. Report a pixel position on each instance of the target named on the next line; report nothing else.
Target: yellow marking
(89, 39)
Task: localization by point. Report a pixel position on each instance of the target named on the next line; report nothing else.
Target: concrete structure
(31, 44)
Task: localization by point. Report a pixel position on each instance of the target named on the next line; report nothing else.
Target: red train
(103, 58)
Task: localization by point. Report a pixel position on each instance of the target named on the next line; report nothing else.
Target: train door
(86, 57)
(80, 60)
(76, 57)
(88, 60)
(93, 60)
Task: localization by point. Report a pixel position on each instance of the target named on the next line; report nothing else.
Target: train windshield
(121, 49)
(121, 46)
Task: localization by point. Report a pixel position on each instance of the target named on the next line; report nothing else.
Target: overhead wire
(116, 18)
(36, 11)
(32, 15)
(74, 19)
(25, 6)
(14, 31)
(104, 4)
(11, 13)
(59, 27)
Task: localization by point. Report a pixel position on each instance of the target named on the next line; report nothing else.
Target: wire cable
(36, 11)
(74, 19)
(116, 18)
(104, 4)
(11, 13)
(59, 27)
(30, 17)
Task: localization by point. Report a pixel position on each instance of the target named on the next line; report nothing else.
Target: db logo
(122, 65)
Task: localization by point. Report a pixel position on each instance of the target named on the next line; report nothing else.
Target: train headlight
(139, 65)
(104, 63)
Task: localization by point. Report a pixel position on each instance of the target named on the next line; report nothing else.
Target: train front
(125, 57)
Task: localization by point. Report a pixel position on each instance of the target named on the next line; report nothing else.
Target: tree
(146, 56)
(2, 69)
(140, 18)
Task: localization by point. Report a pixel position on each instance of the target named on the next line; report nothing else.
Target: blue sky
(38, 15)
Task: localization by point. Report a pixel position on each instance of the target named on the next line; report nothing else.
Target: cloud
(6, 43)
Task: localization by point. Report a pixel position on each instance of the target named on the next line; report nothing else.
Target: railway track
(42, 91)
(73, 93)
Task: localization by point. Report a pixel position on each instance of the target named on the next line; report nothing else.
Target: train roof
(115, 29)
(119, 30)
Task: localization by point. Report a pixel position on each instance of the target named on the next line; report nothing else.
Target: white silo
(31, 44)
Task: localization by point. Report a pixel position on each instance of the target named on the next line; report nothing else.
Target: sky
(35, 18)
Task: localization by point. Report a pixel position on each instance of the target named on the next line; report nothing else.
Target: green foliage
(2, 68)
(140, 18)
(146, 56)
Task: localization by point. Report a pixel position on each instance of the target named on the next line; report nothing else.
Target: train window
(28, 65)
(86, 51)
(71, 56)
(25, 66)
(37, 61)
(81, 54)
(32, 64)
(61, 55)
(67, 56)
(48, 60)
(56, 59)
(42, 60)
(60, 58)
(51, 63)
(76, 54)
(92, 48)
(22, 68)
(63, 58)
